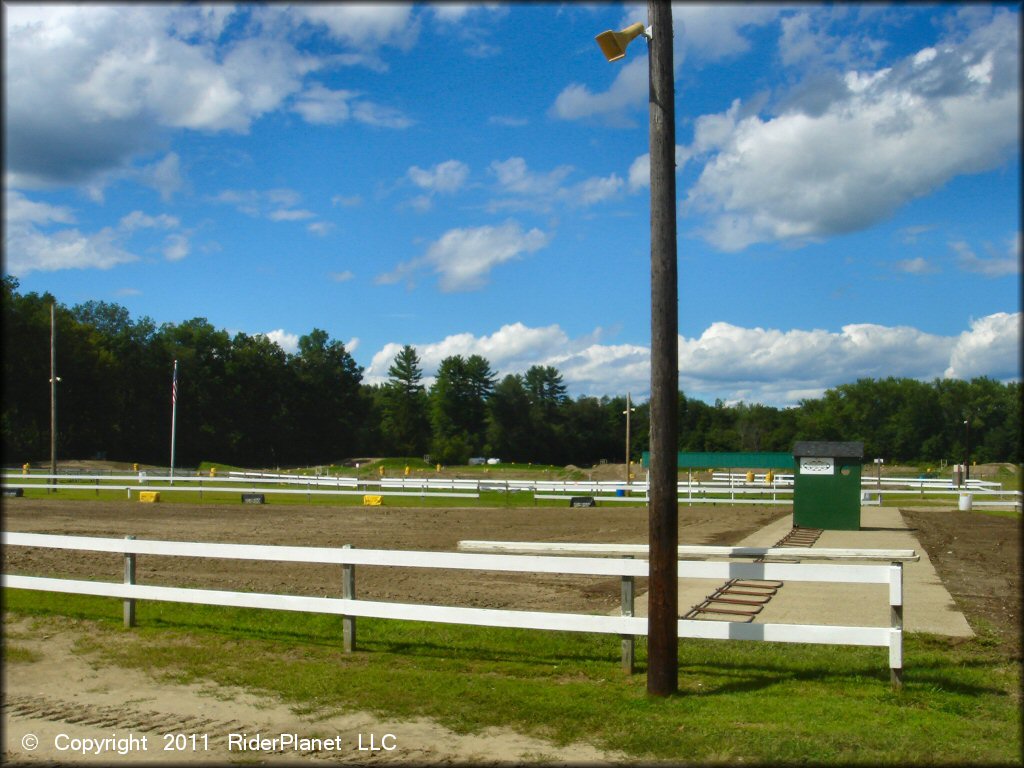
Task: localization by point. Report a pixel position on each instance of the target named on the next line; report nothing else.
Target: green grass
(749, 702)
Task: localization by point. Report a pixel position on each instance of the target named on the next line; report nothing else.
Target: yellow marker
(407, 471)
(213, 471)
(24, 468)
(149, 497)
(372, 501)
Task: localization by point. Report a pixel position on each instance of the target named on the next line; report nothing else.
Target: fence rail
(725, 489)
(627, 567)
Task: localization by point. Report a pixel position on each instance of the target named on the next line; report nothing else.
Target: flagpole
(174, 415)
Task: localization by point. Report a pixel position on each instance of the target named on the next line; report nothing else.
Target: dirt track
(363, 527)
(58, 691)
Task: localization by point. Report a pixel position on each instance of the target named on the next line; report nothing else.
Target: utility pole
(663, 521)
(629, 468)
(53, 392)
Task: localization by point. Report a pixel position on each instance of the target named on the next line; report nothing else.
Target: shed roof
(824, 448)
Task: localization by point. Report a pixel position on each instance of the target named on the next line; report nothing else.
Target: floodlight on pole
(613, 44)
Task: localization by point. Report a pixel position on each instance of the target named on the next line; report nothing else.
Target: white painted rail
(625, 567)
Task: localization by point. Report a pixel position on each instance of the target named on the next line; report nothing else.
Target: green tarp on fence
(714, 460)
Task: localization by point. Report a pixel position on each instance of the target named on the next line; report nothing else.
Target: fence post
(348, 592)
(628, 641)
(896, 621)
(129, 578)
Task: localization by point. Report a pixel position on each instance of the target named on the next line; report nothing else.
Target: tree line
(245, 401)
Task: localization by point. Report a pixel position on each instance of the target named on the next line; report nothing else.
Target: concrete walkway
(928, 606)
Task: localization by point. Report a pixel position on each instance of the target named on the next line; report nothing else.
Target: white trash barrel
(966, 502)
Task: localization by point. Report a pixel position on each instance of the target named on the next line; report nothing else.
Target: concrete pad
(928, 606)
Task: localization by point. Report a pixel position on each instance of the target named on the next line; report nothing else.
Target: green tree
(404, 406)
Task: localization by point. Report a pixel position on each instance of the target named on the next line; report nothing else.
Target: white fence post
(348, 592)
(129, 578)
(896, 621)
(628, 641)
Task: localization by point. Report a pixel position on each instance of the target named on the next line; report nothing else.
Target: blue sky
(473, 179)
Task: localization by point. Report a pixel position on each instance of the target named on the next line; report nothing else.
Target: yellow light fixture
(613, 44)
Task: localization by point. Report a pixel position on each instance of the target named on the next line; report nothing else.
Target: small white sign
(814, 466)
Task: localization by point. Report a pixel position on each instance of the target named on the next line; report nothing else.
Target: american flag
(174, 384)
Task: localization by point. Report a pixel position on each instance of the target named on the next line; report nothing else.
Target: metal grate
(742, 599)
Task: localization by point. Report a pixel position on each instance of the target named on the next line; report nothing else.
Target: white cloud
(83, 98)
(915, 266)
(626, 95)
(319, 228)
(32, 241)
(772, 366)
(704, 32)
(463, 258)
(139, 220)
(990, 348)
(363, 25)
(322, 106)
(26, 249)
(520, 188)
(449, 176)
(342, 277)
(271, 204)
(176, 247)
(894, 135)
(164, 176)
(289, 342)
(996, 265)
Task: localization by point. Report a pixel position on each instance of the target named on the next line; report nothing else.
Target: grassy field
(738, 702)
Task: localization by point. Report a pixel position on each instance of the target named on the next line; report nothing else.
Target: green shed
(826, 485)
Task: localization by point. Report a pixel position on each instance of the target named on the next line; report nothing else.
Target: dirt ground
(977, 556)
(363, 527)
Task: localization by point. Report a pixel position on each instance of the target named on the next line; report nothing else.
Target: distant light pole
(967, 453)
(629, 472)
(663, 509)
(53, 393)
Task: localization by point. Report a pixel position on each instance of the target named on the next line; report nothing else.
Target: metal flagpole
(174, 414)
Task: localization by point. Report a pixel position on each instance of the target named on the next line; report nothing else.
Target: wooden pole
(53, 392)
(663, 523)
(628, 462)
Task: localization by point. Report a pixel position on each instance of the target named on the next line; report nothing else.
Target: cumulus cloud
(895, 134)
(915, 266)
(444, 178)
(701, 32)
(449, 176)
(83, 99)
(35, 240)
(991, 347)
(463, 258)
(289, 342)
(322, 106)
(273, 205)
(995, 265)
(520, 188)
(772, 366)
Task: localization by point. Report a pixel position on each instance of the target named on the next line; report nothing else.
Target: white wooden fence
(724, 488)
(349, 607)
